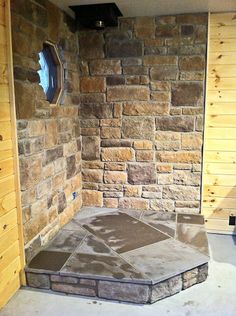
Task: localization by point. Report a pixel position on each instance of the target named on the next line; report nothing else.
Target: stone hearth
(125, 255)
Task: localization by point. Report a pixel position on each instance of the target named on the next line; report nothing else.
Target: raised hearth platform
(126, 255)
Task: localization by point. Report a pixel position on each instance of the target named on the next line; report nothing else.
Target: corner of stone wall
(49, 137)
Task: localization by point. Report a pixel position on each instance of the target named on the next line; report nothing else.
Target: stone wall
(142, 103)
(49, 137)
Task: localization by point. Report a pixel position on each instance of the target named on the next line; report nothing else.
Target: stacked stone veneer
(118, 290)
(142, 103)
(49, 137)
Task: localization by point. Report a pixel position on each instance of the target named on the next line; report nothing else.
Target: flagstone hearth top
(117, 253)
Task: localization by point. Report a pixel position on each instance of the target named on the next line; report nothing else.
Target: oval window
(51, 73)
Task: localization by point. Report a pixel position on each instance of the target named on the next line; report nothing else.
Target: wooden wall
(219, 170)
(11, 244)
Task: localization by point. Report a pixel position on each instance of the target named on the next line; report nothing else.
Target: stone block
(180, 192)
(202, 273)
(132, 191)
(154, 60)
(144, 155)
(92, 175)
(187, 94)
(91, 84)
(110, 132)
(138, 128)
(92, 198)
(143, 144)
(117, 154)
(96, 111)
(179, 156)
(125, 93)
(120, 46)
(191, 141)
(90, 147)
(134, 293)
(166, 288)
(190, 278)
(53, 154)
(63, 279)
(115, 177)
(160, 96)
(110, 202)
(51, 133)
(92, 98)
(115, 166)
(38, 280)
(192, 19)
(110, 122)
(105, 67)
(36, 128)
(187, 30)
(135, 70)
(145, 108)
(164, 72)
(91, 46)
(133, 203)
(61, 202)
(116, 143)
(175, 123)
(70, 166)
(73, 289)
(115, 80)
(142, 173)
(192, 63)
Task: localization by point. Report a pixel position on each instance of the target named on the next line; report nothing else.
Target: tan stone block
(159, 60)
(92, 84)
(34, 226)
(28, 197)
(179, 157)
(110, 122)
(92, 175)
(126, 93)
(162, 205)
(192, 63)
(167, 136)
(115, 177)
(117, 110)
(58, 180)
(90, 186)
(48, 170)
(110, 202)
(38, 207)
(168, 145)
(44, 188)
(165, 178)
(92, 198)
(76, 182)
(191, 141)
(105, 67)
(111, 187)
(192, 111)
(144, 155)
(114, 166)
(36, 128)
(160, 96)
(51, 133)
(91, 131)
(145, 108)
(175, 111)
(66, 215)
(143, 144)
(70, 148)
(59, 164)
(154, 42)
(161, 86)
(134, 203)
(110, 132)
(164, 168)
(132, 191)
(117, 154)
(92, 165)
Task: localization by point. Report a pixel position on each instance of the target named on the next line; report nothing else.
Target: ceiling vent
(96, 16)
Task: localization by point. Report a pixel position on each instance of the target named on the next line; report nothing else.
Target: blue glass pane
(43, 73)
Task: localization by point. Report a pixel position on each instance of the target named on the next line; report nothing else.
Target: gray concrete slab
(214, 297)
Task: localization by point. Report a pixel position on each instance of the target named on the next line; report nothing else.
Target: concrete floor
(216, 296)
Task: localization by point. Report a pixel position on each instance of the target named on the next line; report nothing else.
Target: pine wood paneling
(11, 240)
(219, 165)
